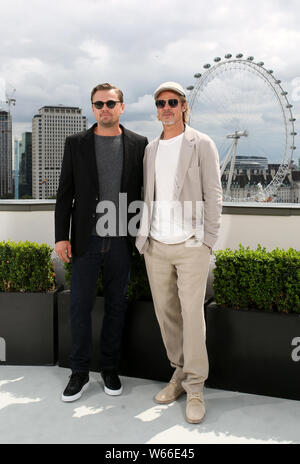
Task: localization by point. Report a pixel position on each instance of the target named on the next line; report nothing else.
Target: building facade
(6, 188)
(25, 165)
(251, 176)
(15, 172)
(49, 131)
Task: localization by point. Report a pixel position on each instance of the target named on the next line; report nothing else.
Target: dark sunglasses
(110, 104)
(173, 102)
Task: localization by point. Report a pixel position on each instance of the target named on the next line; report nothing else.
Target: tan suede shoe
(170, 393)
(195, 408)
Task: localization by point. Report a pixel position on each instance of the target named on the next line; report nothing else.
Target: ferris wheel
(241, 105)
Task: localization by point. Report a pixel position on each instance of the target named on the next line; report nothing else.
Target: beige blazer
(197, 179)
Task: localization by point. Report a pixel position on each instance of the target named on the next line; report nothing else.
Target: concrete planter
(253, 351)
(144, 354)
(28, 328)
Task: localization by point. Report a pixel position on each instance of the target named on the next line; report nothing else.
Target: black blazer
(78, 191)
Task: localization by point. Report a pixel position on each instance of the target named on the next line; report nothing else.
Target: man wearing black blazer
(100, 166)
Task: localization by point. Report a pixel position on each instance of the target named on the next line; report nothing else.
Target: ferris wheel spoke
(242, 100)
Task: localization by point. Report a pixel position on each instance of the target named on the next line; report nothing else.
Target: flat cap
(173, 86)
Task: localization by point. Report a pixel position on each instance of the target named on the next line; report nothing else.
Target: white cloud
(95, 50)
(2, 90)
(145, 104)
(63, 48)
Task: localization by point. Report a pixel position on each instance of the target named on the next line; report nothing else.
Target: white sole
(112, 392)
(70, 399)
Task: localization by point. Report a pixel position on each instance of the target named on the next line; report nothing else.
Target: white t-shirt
(167, 224)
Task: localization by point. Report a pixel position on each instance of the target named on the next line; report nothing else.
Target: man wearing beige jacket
(179, 227)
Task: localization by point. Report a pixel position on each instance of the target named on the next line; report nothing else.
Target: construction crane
(7, 94)
(7, 98)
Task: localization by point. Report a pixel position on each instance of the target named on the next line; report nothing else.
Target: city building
(295, 187)
(15, 172)
(252, 174)
(49, 131)
(25, 165)
(5, 155)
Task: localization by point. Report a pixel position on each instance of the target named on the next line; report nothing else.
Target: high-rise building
(49, 131)
(5, 154)
(25, 165)
(15, 172)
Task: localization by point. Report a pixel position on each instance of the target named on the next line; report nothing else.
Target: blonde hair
(186, 113)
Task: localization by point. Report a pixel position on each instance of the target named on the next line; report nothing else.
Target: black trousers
(112, 257)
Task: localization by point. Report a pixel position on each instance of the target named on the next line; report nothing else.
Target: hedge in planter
(27, 304)
(257, 279)
(26, 267)
(254, 326)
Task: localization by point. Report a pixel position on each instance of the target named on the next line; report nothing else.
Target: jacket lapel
(185, 156)
(88, 150)
(150, 174)
(129, 158)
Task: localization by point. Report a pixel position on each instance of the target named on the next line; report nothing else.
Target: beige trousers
(178, 276)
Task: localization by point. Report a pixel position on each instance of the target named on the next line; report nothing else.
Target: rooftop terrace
(31, 412)
(30, 407)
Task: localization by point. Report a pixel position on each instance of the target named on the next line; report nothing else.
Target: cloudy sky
(55, 52)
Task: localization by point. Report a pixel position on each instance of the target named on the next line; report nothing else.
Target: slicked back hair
(107, 86)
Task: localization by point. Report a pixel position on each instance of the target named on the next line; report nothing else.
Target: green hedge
(267, 281)
(138, 288)
(26, 267)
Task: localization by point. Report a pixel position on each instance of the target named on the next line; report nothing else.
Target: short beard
(168, 123)
(107, 124)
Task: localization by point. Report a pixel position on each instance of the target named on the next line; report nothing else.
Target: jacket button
(93, 215)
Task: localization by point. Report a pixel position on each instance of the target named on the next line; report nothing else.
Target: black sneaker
(112, 383)
(78, 383)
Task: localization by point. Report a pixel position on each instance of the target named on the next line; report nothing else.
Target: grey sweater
(109, 158)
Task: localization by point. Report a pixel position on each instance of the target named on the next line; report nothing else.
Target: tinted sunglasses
(173, 102)
(110, 104)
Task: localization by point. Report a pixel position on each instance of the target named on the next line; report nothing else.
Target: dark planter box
(28, 328)
(143, 352)
(144, 355)
(253, 351)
